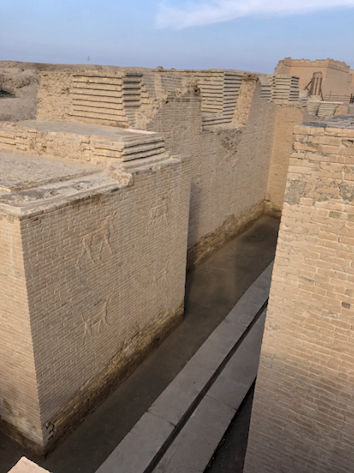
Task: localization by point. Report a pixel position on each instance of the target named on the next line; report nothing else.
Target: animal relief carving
(96, 322)
(162, 274)
(159, 212)
(93, 243)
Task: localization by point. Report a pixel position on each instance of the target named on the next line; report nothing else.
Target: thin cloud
(206, 13)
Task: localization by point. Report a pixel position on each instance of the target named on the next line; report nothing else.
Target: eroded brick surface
(303, 415)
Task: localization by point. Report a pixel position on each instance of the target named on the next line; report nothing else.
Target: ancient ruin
(114, 181)
(303, 404)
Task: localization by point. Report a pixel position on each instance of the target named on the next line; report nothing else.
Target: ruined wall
(54, 96)
(351, 82)
(19, 406)
(287, 117)
(334, 73)
(229, 165)
(98, 296)
(230, 154)
(303, 415)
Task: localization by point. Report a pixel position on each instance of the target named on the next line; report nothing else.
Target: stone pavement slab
(138, 448)
(180, 395)
(240, 372)
(196, 443)
(22, 171)
(194, 446)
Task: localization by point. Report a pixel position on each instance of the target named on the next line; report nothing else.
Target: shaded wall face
(303, 414)
(337, 85)
(19, 405)
(286, 118)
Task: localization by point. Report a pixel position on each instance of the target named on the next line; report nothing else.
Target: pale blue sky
(249, 35)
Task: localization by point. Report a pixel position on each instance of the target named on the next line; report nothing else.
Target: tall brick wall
(19, 406)
(229, 167)
(229, 162)
(287, 116)
(104, 278)
(303, 414)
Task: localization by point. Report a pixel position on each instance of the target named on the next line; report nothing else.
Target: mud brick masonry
(303, 412)
(124, 178)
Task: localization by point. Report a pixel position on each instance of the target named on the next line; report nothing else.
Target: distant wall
(336, 81)
(303, 415)
(351, 82)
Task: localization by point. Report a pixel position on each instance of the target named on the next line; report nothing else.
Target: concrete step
(183, 427)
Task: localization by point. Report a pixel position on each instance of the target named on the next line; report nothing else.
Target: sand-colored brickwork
(124, 173)
(84, 294)
(336, 80)
(303, 415)
(230, 148)
(19, 405)
(228, 161)
(286, 118)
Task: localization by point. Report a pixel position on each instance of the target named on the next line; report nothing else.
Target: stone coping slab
(26, 466)
(30, 184)
(180, 399)
(194, 446)
(85, 129)
(20, 171)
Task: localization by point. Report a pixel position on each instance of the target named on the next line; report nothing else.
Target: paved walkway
(212, 290)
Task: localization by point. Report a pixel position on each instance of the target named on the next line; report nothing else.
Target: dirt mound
(18, 92)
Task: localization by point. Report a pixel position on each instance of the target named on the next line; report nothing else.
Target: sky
(249, 35)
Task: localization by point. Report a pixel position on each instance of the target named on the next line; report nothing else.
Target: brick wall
(19, 406)
(334, 74)
(286, 118)
(99, 298)
(229, 166)
(303, 414)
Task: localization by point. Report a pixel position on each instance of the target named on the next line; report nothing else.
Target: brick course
(303, 417)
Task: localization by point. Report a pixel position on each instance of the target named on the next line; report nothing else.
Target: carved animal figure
(159, 211)
(162, 274)
(95, 241)
(97, 320)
